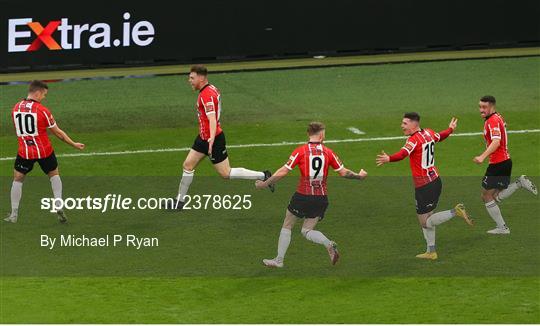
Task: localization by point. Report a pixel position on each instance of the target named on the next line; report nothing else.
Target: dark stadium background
(238, 30)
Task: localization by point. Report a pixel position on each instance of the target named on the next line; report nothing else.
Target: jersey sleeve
(435, 135)
(494, 129)
(410, 145)
(49, 119)
(207, 100)
(442, 135)
(335, 162)
(293, 159)
(399, 155)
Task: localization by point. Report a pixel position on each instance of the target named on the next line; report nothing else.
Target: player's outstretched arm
(384, 158)
(348, 174)
(280, 173)
(491, 148)
(65, 138)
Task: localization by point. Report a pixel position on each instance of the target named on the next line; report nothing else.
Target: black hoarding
(37, 35)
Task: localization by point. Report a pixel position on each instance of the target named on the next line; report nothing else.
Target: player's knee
(305, 231)
(486, 197)
(18, 176)
(287, 226)
(53, 173)
(224, 174)
(188, 166)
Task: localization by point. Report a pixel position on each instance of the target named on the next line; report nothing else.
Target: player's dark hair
(412, 116)
(488, 99)
(37, 85)
(199, 70)
(315, 128)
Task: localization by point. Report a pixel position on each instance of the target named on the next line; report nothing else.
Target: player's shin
(56, 185)
(185, 182)
(429, 235)
(316, 236)
(495, 212)
(505, 193)
(241, 173)
(16, 194)
(439, 218)
(283, 244)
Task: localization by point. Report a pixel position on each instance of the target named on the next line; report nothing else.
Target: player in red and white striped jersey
(310, 200)
(420, 147)
(496, 183)
(32, 120)
(211, 139)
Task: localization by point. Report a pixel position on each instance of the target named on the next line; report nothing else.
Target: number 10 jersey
(31, 120)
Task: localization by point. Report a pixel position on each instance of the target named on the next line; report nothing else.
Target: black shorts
(47, 164)
(219, 149)
(427, 196)
(304, 206)
(498, 175)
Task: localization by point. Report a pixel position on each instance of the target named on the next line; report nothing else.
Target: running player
(310, 201)
(420, 147)
(31, 120)
(211, 139)
(496, 183)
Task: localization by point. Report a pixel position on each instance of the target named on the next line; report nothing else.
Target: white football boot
(272, 263)
(526, 183)
(498, 230)
(11, 218)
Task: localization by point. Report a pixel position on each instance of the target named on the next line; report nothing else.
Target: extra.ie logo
(96, 36)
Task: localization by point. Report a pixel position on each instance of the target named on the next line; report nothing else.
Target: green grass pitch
(207, 268)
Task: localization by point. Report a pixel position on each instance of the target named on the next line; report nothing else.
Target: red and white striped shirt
(31, 121)
(495, 128)
(313, 159)
(208, 102)
(420, 147)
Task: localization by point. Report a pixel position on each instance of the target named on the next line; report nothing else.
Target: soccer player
(310, 201)
(420, 147)
(211, 139)
(31, 120)
(496, 184)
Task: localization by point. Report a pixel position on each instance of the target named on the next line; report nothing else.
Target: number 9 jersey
(313, 159)
(31, 120)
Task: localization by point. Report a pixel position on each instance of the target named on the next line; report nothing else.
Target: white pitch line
(285, 143)
(356, 131)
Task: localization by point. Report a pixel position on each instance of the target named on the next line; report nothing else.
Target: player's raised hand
(453, 123)
(79, 146)
(382, 158)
